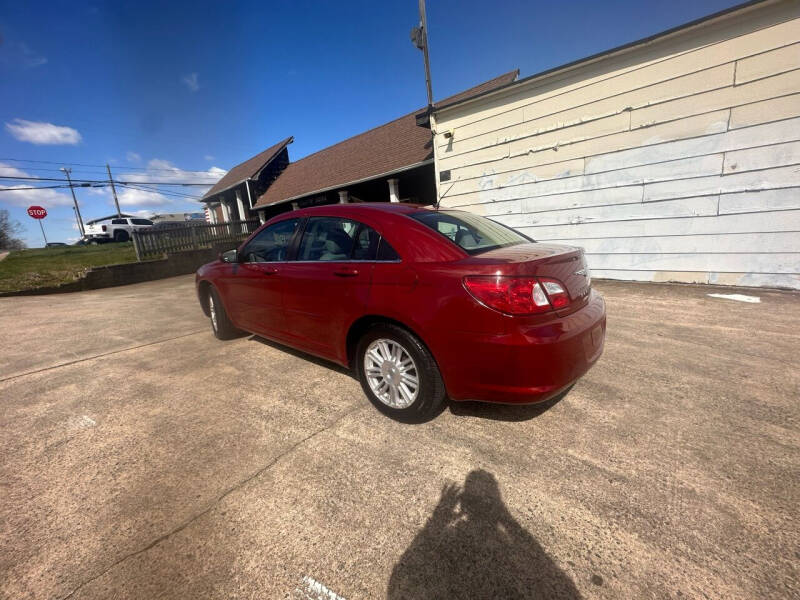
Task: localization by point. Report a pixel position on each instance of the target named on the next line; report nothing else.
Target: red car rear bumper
(531, 364)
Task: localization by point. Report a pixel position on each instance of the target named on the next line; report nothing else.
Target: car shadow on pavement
(505, 412)
(471, 547)
(300, 354)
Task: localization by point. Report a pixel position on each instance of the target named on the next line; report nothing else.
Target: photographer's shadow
(471, 547)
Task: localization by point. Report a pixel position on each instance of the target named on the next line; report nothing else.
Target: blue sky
(183, 91)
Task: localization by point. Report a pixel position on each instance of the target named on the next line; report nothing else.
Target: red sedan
(422, 304)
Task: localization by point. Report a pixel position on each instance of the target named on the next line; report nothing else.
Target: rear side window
(327, 238)
(474, 234)
(386, 252)
(371, 246)
(337, 239)
(366, 246)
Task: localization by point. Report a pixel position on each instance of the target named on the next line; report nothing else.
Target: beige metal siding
(676, 160)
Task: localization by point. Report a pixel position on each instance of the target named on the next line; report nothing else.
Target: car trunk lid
(567, 264)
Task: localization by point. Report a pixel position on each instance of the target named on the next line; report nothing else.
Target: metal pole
(424, 26)
(75, 201)
(113, 190)
(43, 235)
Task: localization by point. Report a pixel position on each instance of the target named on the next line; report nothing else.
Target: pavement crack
(93, 357)
(217, 500)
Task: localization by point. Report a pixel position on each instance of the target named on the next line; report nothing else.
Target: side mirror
(229, 256)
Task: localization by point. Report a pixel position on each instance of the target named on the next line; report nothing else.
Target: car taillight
(105, 228)
(517, 295)
(555, 292)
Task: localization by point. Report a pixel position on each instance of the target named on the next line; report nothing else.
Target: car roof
(358, 207)
(417, 243)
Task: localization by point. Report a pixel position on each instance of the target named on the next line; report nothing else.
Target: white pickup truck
(114, 229)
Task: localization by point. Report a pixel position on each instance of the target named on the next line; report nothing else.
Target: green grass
(43, 267)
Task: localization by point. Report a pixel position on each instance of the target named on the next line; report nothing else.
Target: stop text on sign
(37, 212)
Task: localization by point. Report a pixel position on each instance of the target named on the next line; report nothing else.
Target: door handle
(346, 272)
(270, 270)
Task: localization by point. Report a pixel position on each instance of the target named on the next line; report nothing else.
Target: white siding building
(676, 158)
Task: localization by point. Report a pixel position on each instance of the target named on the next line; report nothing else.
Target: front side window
(474, 234)
(141, 221)
(271, 244)
(327, 238)
(119, 221)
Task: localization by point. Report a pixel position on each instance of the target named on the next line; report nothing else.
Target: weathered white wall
(675, 161)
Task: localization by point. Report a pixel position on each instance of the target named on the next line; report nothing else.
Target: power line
(208, 184)
(51, 162)
(45, 169)
(41, 187)
(160, 191)
(106, 181)
(157, 191)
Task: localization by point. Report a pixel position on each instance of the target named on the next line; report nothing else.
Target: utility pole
(113, 190)
(419, 36)
(75, 201)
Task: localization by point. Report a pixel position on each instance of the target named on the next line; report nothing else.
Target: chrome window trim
(321, 262)
(361, 262)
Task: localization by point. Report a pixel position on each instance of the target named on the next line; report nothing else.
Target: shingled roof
(390, 148)
(248, 169)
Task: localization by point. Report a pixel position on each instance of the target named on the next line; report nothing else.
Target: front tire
(120, 235)
(220, 322)
(399, 375)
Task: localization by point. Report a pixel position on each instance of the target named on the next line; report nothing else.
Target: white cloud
(131, 197)
(164, 171)
(40, 133)
(208, 157)
(133, 157)
(190, 81)
(22, 197)
(19, 54)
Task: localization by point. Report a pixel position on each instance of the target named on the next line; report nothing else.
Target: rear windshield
(473, 233)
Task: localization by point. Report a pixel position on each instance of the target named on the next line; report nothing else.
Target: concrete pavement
(142, 458)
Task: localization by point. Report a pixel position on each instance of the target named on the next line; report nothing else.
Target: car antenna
(439, 196)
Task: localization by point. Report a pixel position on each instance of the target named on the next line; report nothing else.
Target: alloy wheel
(391, 373)
(212, 309)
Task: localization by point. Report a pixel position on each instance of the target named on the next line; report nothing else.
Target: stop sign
(37, 212)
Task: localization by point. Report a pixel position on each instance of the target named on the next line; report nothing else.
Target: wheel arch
(203, 289)
(361, 325)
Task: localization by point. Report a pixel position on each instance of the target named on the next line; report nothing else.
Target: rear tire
(220, 323)
(399, 375)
